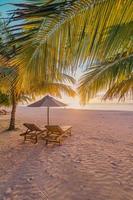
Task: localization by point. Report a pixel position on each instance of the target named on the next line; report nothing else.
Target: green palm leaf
(59, 36)
(109, 77)
(121, 90)
(64, 37)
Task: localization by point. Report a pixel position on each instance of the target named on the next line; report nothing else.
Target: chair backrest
(54, 128)
(3, 112)
(32, 127)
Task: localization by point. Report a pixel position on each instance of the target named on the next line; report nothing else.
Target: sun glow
(73, 102)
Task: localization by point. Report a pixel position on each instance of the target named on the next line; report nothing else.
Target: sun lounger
(3, 112)
(56, 133)
(32, 132)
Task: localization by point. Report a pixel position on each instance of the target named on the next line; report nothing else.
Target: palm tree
(19, 91)
(20, 88)
(63, 35)
(18, 84)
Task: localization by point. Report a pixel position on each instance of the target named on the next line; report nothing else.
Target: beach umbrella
(48, 102)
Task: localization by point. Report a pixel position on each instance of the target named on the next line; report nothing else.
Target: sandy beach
(95, 163)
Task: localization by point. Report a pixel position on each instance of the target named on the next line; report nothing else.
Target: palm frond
(53, 82)
(106, 77)
(67, 36)
(4, 99)
(61, 36)
(121, 90)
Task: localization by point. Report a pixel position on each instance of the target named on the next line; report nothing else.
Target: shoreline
(97, 107)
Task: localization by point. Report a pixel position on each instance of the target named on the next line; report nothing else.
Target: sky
(5, 8)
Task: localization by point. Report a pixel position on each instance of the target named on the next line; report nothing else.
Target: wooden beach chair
(3, 112)
(32, 132)
(56, 133)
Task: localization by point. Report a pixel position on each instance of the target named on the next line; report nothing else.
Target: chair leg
(69, 132)
(25, 138)
(46, 142)
(36, 139)
(59, 142)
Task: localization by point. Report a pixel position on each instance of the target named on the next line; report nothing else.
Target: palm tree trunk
(13, 112)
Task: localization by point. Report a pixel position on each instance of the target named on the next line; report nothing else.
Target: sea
(106, 106)
(100, 106)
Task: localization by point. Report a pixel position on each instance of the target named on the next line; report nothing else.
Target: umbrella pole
(47, 115)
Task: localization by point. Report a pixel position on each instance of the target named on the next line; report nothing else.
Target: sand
(95, 163)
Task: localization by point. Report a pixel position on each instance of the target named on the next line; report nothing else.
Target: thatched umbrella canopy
(48, 102)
